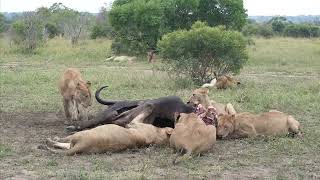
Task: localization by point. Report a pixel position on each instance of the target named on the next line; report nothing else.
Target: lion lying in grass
(246, 124)
(110, 138)
(76, 95)
(200, 96)
(222, 82)
(192, 135)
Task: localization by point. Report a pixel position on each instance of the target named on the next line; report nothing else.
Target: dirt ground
(22, 133)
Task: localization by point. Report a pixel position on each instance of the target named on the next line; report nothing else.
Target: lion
(76, 94)
(192, 135)
(246, 124)
(109, 138)
(200, 96)
(224, 82)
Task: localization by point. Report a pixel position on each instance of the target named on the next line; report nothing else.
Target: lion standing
(76, 94)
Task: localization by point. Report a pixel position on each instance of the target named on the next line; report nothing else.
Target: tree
(64, 21)
(28, 32)
(203, 51)
(278, 24)
(137, 24)
(141, 23)
(102, 27)
(230, 13)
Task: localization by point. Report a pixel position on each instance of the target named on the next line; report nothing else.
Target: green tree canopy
(278, 24)
(141, 23)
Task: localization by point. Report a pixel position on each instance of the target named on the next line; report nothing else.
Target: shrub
(2, 23)
(52, 30)
(102, 27)
(302, 30)
(265, 31)
(203, 50)
(28, 32)
(250, 29)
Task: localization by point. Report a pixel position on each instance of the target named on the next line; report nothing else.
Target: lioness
(111, 138)
(192, 135)
(76, 94)
(246, 124)
(200, 96)
(224, 82)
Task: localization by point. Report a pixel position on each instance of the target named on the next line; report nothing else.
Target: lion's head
(200, 96)
(83, 94)
(225, 125)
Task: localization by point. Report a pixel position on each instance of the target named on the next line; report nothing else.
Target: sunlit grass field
(282, 74)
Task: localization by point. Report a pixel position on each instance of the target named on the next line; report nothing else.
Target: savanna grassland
(281, 73)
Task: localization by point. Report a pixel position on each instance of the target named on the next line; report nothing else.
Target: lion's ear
(88, 83)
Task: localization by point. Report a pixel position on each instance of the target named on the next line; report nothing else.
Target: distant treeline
(313, 19)
(127, 23)
(281, 26)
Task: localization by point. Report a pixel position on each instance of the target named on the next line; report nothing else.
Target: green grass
(282, 74)
(4, 150)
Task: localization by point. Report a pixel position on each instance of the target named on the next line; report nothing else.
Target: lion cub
(200, 96)
(76, 94)
(110, 138)
(192, 135)
(246, 124)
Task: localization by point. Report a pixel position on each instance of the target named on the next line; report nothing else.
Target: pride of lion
(194, 132)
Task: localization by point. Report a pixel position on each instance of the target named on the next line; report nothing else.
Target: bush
(28, 32)
(302, 30)
(265, 31)
(102, 27)
(2, 23)
(250, 30)
(203, 50)
(52, 30)
(99, 30)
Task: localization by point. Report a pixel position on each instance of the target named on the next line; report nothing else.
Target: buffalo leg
(105, 117)
(138, 114)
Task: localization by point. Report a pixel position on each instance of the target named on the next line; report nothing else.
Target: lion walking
(76, 95)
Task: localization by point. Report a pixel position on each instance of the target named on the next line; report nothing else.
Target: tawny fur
(246, 124)
(200, 96)
(76, 94)
(224, 82)
(211, 84)
(111, 138)
(192, 135)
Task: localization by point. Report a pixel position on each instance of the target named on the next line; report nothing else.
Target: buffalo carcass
(159, 112)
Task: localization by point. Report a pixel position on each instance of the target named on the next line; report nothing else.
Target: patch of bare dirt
(23, 132)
